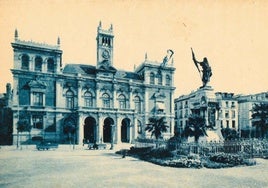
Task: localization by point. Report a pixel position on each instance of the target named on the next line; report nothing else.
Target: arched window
(151, 78)
(168, 80)
(105, 100)
(88, 99)
(38, 64)
(69, 99)
(25, 62)
(137, 102)
(122, 101)
(50, 65)
(159, 79)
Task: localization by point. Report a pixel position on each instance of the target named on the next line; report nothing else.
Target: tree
(70, 130)
(6, 127)
(260, 118)
(157, 125)
(23, 126)
(229, 134)
(196, 127)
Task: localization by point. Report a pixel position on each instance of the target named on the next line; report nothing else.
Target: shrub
(139, 151)
(161, 153)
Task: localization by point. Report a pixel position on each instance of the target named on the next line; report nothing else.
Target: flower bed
(165, 157)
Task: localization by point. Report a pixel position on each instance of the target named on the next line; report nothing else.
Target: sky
(233, 35)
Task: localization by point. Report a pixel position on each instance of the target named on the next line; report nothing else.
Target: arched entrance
(90, 130)
(125, 126)
(107, 129)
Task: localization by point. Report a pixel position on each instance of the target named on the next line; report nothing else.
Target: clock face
(106, 54)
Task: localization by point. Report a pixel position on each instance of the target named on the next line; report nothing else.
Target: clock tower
(104, 47)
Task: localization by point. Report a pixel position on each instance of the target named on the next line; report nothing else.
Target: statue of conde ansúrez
(206, 69)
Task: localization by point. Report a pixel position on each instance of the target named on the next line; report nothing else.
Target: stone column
(131, 106)
(172, 113)
(118, 130)
(59, 98)
(59, 127)
(131, 127)
(31, 63)
(80, 129)
(44, 65)
(99, 127)
(79, 94)
(112, 135)
(115, 103)
(97, 99)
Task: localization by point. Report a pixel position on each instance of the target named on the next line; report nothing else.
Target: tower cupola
(104, 47)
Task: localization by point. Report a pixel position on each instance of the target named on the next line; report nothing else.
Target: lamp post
(18, 112)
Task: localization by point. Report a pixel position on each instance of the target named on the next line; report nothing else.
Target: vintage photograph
(131, 93)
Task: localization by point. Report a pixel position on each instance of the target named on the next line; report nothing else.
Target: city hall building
(102, 104)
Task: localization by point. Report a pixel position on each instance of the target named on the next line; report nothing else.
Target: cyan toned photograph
(131, 93)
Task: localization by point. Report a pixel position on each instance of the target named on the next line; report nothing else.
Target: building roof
(91, 70)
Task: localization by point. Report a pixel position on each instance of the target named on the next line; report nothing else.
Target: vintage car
(96, 146)
(45, 145)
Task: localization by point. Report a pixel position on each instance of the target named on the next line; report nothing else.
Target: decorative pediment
(37, 84)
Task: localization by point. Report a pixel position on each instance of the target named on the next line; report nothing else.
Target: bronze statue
(206, 69)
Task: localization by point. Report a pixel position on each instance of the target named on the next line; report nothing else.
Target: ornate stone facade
(102, 103)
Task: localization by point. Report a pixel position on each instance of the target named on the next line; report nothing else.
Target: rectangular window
(233, 114)
(70, 102)
(122, 104)
(186, 104)
(106, 103)
(233, 124)
(88, 102)
(138, 107)
(37, 121)
(37, 99)
(227, 123)
(220, 113)
(226, 114)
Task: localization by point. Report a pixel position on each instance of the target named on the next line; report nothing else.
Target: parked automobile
(45, 145)
(96, 146)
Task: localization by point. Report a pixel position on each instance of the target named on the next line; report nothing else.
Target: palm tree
(196, 127)
(157, 125)
(260, 118)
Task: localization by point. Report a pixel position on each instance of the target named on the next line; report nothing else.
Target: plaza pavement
(81, 167)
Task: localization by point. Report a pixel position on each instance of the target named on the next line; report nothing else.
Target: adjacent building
(100, 102)
(218, 109)
(6, 117)
(246, 103)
